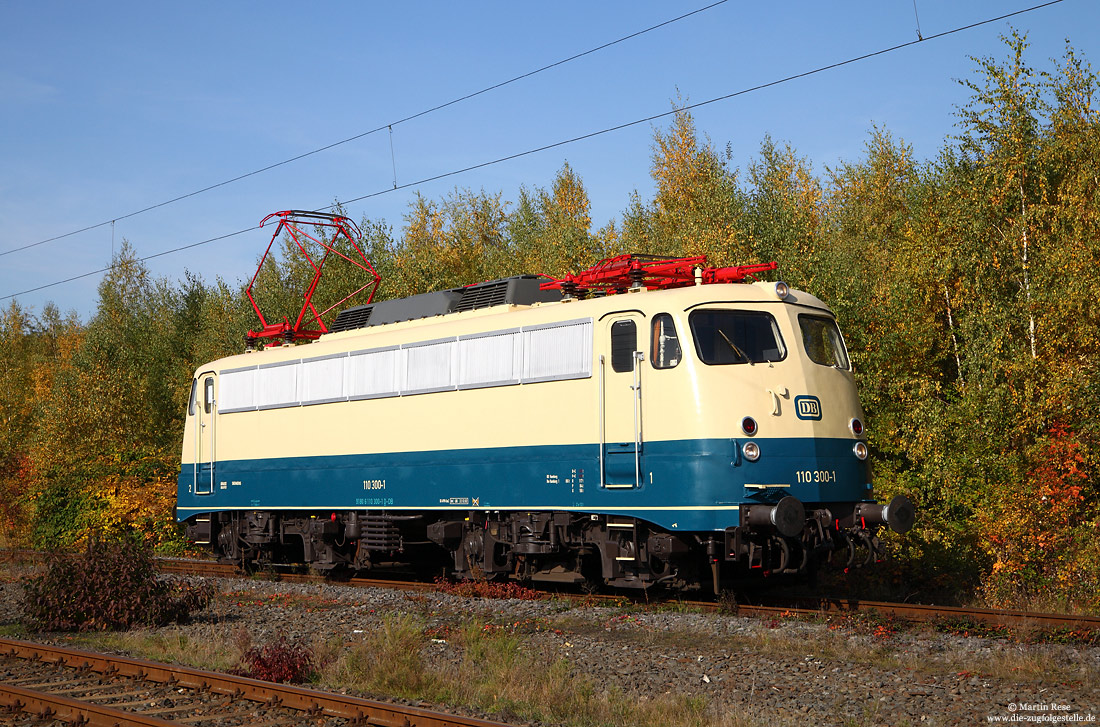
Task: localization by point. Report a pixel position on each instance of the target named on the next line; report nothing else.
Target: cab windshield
(823, 343)
(736, 337)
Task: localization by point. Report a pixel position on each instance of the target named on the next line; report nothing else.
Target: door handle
(776, 393)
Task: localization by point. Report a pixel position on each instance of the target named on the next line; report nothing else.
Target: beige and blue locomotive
(685, 435)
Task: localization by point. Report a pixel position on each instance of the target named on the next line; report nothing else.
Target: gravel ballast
(760, 671)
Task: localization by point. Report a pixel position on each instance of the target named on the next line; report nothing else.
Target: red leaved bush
(112, 585)
(1043, 535)
(487, 589)
(281, 661)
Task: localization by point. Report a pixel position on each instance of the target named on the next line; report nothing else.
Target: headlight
(860, 450)
(782, 290)
(751, 450)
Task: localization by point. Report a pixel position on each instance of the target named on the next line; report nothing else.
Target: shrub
(112, 585)
(280, 662)
(1042, 535)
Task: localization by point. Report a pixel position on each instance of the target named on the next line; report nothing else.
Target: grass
(491, 669)
(387, 660)
(170, 645)
(678, 606)
(1043, 601)
(489, 666)
(482, 668)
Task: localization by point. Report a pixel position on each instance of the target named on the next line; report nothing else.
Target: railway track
(920, 613)
(808, 607)
(101, 690)
(803, 606)
(182, 566)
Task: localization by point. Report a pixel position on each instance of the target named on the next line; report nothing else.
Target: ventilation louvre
(352, 318)
(518, 290)
(484, 295)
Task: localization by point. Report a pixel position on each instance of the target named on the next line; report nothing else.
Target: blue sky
(107, 108)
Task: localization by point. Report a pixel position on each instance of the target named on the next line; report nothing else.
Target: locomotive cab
(807, 492)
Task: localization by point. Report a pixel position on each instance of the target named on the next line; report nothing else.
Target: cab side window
(664, 343)
(624, 342)
(208, 395)
(823, 342)
(194, 395)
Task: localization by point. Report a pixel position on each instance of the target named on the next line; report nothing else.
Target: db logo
(807, 407)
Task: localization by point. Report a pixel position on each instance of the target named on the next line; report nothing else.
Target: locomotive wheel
(471, 552)
(591, 570)
(229, 545)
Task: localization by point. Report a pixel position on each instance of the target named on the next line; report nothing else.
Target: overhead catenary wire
(582, 137)
(689, 107)
(383, 127)
(113, 265)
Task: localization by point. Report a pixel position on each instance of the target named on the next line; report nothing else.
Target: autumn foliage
(967, 286)
(111, 585)
(280, 661)
(1045, 535)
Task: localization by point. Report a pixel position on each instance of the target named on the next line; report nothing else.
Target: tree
(784, 215)
(697, 206)
(550, 232)
(456, 242)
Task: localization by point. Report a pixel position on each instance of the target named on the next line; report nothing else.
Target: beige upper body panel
(691, 400)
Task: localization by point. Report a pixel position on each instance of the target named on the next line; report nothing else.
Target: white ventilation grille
(430, 367)
(556, 352)
(373, 374)
(321, 380)
(528, 355)
(236, 390)
(492, 359)
(277, 385)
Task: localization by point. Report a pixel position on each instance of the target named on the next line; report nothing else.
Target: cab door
(206, 413)
(621, 383)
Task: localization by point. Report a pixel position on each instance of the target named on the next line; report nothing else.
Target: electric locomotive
(644, 422)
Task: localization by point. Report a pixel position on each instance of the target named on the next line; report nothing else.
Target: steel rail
(917, 613)
(927, 613)
(228, 570)
(315, 703)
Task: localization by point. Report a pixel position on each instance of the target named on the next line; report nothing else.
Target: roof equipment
(631, 271)
(293, 222)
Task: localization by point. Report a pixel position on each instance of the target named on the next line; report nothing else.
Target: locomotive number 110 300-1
(821, 476)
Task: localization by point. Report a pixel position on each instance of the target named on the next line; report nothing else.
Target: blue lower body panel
(684, 485)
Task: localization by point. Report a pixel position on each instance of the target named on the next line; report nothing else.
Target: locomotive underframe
(562, 547)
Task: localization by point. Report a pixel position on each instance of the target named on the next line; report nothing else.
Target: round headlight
(749, 425)
(860, 450)
(856, 427)
(782, 290)
(751, 450)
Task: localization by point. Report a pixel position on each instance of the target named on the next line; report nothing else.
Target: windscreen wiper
(736, 350)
